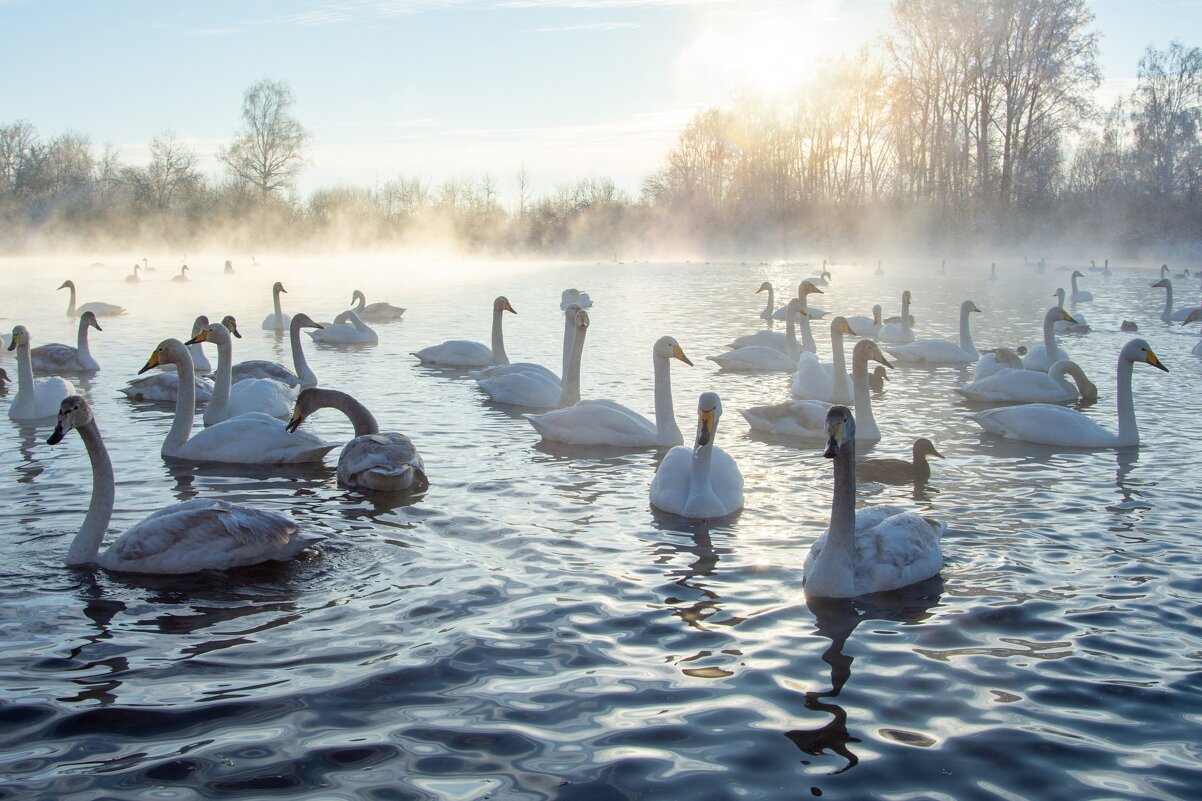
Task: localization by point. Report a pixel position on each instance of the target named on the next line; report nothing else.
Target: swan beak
(13, 345)
(1155, 362)
(705, 428)
(151, 363)
(836, 439)
(295, 422)
(1066, 316)
(57, 436)
(677, 353)
(65, 284)
(203, 336)
(509, 307)
(880, 357)
(95, 324)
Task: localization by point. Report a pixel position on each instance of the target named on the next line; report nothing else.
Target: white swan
(874, 549)
(95, 307)
(765, 357)
(604, 422)
(185, 537)
(277, 320)
(1079, 295)
(1042, 357)
(1194, 316)
(347, 329)
(941, 351)
(569, 336)
(1170, 314)
(1032, 386)
(995, 361)
(1077, 325)
(464, 353)
(248, 439)
(59, 358)
(385, 462)
(863, 326)
(804, 290)
(183, 275)
(993, 271)
(767, 313)
(134, 279)
(261, 368)
(779, 339)
(249, 395)
(807, 418)
(898, 333)
(229, 267)
(822, 278)
(819, 380)
(536, 387)
(574, 297)
(161, 386)
(374, 312)
(36, 397)
(1047, 424)
(702, 482)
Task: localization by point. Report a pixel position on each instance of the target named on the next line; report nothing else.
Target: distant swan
(58, 358)
(819, 380)
(941, 351)
(36, 397)
(770, 308)
(779, 339)
(1076, 325)
(1169, 314)
(863, 326)
(464, 353)
(183, 275)
(702, 482)
(898, 333)
(1042, 357)
(534, 386)
(874, 549)
(374, 312)
(348, 329)
(804, 290)
(277, 320)
(182, 538)
(765, 357)
(95, 307)
(1032, 386)
(134, 279)
(1079, 295)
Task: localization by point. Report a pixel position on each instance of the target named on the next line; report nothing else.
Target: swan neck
(1128, 432)
(791, 346)
(807, 336)
(303, 371)
(966, 334)
(498, 338)
(571, 378)
(665, 416)
(223, 379)
(905, 315)
(275, 300)
(1049, 338)
(362, 304)
(569, 339)
(862, 398)
(839, 364)
(71, 302)
(81, 343)
(362, 419)
(833, 572)
(185, 408)
(771, 307)
(26, 388)
(1168, 303)
(88, 539)
(699, 473)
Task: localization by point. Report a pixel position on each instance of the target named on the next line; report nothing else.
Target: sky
(442, 89)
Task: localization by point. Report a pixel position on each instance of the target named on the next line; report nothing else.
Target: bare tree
(172, 168)
(1167, 115)
(270, 151)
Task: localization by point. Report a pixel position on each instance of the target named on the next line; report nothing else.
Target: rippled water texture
(529, 628)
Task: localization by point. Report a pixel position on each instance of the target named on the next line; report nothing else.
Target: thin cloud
(586, 26)
(205, 32)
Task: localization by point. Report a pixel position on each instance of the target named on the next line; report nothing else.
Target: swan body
(818, 380)
(569, 338)
(163, 387)
(702, 482)
(539, 388)
(1042, 357)
(133, 278)
(183, 275)
(59, 358)
(863, 326)
(996, 361)
(277, 320)
(604, 422)
(1076, 325)
(374, 312)
(574, 297)
(386, 462)
(900, 471)
(348, 329)
(822, 278)
(1169, 314)
(765, 357)
(464, 353)
(1079, 295)
(1047, 424)
(898, 333)
(95, 307)
(249, 395)
(941, 351)
(187, 537)
(873, 549)
(260, 368)
(36, 397)
(1032, 386)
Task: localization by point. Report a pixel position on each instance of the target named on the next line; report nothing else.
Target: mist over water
(529, 628)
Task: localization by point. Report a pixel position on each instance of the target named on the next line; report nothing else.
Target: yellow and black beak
(203, 336)
(705, 427)
(836, 437)
(151, 363)
(1068, 318)
(13, 345)
(1151, 359)
(678, 353)
(297, 419)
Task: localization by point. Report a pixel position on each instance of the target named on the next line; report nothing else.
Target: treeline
(972, 120)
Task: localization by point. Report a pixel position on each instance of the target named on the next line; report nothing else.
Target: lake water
(530, 628)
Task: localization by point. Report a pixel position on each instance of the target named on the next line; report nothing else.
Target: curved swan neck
(699, 471)
(965, 334)
(362, 301)
(1059, 298)
(362, 419)
(1128, 432)
(665, 416)
(1074, 280)
(1049, 336)
(71, 302)
(862, 398)
(303, 372)
(81, 342)
(498, 338)
(571, 377)
(86, 544)
(218, 407)
(1168, 300)
(771, 307)
(185, 408)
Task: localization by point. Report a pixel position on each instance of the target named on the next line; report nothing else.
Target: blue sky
(448, 88)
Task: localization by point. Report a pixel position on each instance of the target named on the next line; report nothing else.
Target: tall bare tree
(1168, 116)
(270, 151)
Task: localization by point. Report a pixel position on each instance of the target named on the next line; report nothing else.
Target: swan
(993, 271)
(863, 326)
(162, 386)
(995, 361)
(248, 439)
(765, 357)
(943, 267)
(779, 339)
(899, 333)
(702, 482)
(229, 267)
(261, 368)
(1182, 274)
(941, 351)
(146, 268)
(879, 271)
(767, 313)
(1079, 295)
(1032, 386)
(277, 320)
(818, 380)
(186, 537)
(463, 353)
(58, 358)
(804, 290)
(1194, 316)
(574, 297)
(36, 397)
(95, 307)
(371, 461)
(604, 422)
(822, 278)
(183, 275)
(539, 388)
(348, 329)
(899, 471)
(375, 312)
(875, 549)
(248, 395)
(1169, 314)
(807, 418)
(1078, 323)
(1041, 357)
(876, 380)
(569, 336)
(1047, 424)
(134, 279)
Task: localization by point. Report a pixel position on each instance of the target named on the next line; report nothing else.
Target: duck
(36, 398)
(1078, 323)
(248, 395)
(1031, 386)
(277, 320)
(183, 275)
(464, 353)
(1048, 424)
(996, 360)
(1042, 357)
(253, 438)
(872, 549)
(604, 422)
(347, 329)
(900, 471)
(59, 358)
(1128, 326)
(1194, 316)
(162, 385)
(540, 388)
(386, 462)
(1079, 295)
(133, 278)
(899, 333)
(374, 312)
(765, 357)
(876, 379)
(941, 351)
(574, 297)
(863, 326)
(261, 368)
(95, 307)
(701, 482)
(806, 419)
(817, 380)
(199, 534)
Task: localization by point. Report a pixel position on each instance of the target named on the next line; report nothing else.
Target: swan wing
(163, 387)
(259, 368)
(1017, 386)
(767, 339)
(515, 367)
(100, 309)
(457, 353)
(595, 423)
(895, 549)
(386, 462)
(803, 418)
(1045, 424)
(812, 380)
(261, 395)
(253, 438)
(931, 351)
(756, 357)
(670, 484)
(528, 389)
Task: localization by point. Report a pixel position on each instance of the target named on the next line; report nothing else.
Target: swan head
(581, 320)
(200, 322)
(968, 306)
(20, 338)
(302, 320)
(840, 326)
(1059, 294)
(840, 430)
(868, 350)
(669, 348)
(906, 296)
(230, 323)
(502, 304)
(217, 333)
(1193, 317)
(68, 284)
(357, 294)
(924, 447)
(808, 288)
(709, 410)
(89, 319)
(1056, 314)
(794, 305)
(278, 287)
(184, 269)
(307, 402)
(764, 287)
(73, 412)
(570, 310)
(1077, 274)
(1163, 283)
(169, 351)
(1137, 350)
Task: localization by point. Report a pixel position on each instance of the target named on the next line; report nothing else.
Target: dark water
(529, 628)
